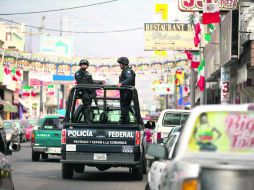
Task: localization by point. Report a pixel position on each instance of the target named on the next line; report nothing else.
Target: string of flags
(210, 16)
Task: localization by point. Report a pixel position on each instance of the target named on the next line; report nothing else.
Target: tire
(67, 171)
(147, 186)
(35, 156)
(44, 156)
(79, 168)
(138, 172)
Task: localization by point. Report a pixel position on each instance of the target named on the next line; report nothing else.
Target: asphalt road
(46, 175)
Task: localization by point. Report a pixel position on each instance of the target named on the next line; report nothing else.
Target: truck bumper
(48, 150)
(113, 159)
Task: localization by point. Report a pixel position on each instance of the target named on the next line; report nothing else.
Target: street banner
(74, 68)
(168, 36)
(49, 68)
(225, 85)
(197, 5)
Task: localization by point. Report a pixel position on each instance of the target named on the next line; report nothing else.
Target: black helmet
(123, 60)
(83, 62)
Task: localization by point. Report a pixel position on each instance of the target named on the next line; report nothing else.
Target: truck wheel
(79, 168)
(67, 171)
(44, 156)
(35, 156)
(138, 172)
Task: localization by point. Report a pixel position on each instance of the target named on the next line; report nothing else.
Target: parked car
(29, 125)
(169, 119)
(21, 129)
(215, 150)
(12, 136)
(46, 137)
(6, 181)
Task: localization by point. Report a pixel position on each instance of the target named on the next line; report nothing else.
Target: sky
(117, 15)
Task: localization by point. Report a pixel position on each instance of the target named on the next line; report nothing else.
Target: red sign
(197, 5)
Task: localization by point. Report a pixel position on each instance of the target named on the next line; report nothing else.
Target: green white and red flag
(201, 76)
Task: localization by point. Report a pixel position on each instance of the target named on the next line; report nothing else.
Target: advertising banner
(57, 45)
(197, 5)
(233, 134)
(168, 36)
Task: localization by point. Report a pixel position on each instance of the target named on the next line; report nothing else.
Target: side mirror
(15, 147)
(156, 151)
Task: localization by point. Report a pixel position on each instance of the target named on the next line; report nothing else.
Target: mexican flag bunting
(51, 90)
(13, 73)
(197, 40)
(33, 93)
(7, 71)
(208, 37)
(201, 76)
(26, 91)
(211, 13)
(195, 60)
(211, 28)
(189, 55)
(197, 28)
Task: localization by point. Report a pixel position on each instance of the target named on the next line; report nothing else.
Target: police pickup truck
(105, 142)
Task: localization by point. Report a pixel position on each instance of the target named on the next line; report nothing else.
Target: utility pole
(192, 87)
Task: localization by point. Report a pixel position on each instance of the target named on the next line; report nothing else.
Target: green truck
(46, 137)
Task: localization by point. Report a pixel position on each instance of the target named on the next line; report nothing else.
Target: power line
(75, 32)
(56, 10)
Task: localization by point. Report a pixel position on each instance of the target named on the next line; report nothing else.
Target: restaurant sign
(197, 5)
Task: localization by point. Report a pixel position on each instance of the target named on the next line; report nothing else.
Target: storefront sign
(197, 5)
(225, 85)
(168, 36)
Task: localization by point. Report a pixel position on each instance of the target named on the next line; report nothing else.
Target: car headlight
(8, 136)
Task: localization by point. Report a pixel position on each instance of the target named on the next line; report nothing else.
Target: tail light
(63, 139)
(138, 138)
(32, 138)
(190, 184)
(148, 136)
(158, 135)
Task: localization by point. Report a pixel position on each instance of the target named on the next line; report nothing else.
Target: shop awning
(8, 107)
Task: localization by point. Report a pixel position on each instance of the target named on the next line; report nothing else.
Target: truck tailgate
(47, 138)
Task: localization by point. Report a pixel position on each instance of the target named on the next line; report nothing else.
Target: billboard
(57, 45)
(168, 36)
(197, 5)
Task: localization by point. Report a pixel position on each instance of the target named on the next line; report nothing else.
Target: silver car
(12, 133)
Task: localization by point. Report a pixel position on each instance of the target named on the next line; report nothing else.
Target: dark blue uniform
(127, 77)
(84, 77)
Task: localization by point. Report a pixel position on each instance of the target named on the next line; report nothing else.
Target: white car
(215, 151)
(169, 119)
(158, 167)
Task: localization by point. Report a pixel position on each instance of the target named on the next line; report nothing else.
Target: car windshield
(173, 119)
(223, 132)
(7, 125)
(52, 123)
(17, 124)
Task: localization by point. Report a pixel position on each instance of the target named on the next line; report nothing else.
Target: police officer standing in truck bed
(127, 77)
(82, 76)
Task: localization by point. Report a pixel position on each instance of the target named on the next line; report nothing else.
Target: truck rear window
(52, 123)
(173, 119)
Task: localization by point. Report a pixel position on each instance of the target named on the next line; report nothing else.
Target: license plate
(100, 156)
(71, 147)
(54, 150)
